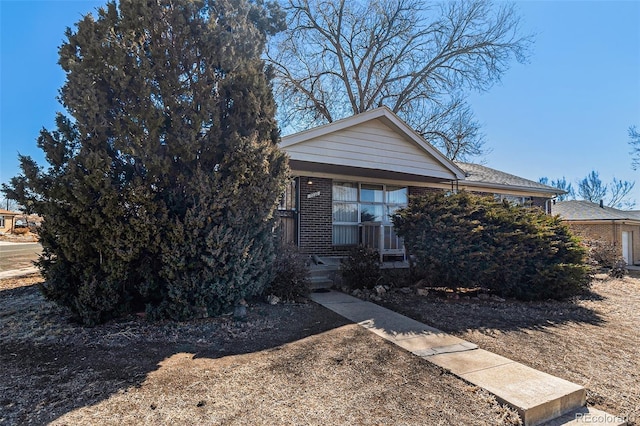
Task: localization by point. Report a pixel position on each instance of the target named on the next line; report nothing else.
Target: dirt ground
(285, 364)
(22, 238)
(594, 342)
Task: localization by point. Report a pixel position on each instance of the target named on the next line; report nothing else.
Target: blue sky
(564, 113)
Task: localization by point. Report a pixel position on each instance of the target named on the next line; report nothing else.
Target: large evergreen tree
(164, 174)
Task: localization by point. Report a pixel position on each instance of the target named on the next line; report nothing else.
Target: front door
(288, 213)
(627, 247)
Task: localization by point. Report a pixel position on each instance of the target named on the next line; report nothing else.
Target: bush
(465, 241)
(159, 191)
(361, 268)
(604, 256)
(290, 274)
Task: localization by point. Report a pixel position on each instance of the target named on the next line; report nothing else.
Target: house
(599, 222)
(349, 176)
(7, 219)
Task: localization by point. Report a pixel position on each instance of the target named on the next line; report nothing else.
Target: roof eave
(492, 185)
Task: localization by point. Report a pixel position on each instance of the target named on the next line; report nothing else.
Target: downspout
(547, 204)
(296, 212)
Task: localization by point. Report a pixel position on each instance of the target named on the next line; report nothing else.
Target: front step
(538, 396)
(317, 283)
(323, 276)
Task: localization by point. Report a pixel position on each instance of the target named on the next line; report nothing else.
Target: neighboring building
(596, 221)
(352, 174)
(7, 219)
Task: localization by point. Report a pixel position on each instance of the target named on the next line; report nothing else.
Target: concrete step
(320, 284)
(587, 415)
(323, 276)
(322, 272)
(538, 397)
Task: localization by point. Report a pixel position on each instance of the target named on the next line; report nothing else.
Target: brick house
(349, 176)
(596, 221)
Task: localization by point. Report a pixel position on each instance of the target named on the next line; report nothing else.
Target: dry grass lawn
(594, 342)
(286, 364)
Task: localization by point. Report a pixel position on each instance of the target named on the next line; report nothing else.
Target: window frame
(385, 205)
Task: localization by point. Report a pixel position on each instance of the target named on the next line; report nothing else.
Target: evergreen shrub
(164, 174)
(466, 241)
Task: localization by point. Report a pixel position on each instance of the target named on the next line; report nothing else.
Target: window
(354, 204)
(1, 221)
(345, 213)
(371, 193)
(511, 199)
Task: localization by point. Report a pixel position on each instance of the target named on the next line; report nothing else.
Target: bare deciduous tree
(562, 184)
(615, 194)
(634, 141)
(591, 188)
(8, 204)
(618, 194)
(416, 57)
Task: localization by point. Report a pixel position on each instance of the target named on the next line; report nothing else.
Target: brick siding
(315, 231)
(316, 216)
(611, 233)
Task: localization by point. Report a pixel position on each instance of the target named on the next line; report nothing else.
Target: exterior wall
(315, 216)
(315, 226)
(8, 223)
(610, 232)
(370, 145)
(420, 190)
(542, 203)
(634, 230)
(604, 231)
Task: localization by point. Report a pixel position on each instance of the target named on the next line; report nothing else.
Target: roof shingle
(586, 210)
(483, 174)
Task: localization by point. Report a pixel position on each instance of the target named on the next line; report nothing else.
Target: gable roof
(391, 146)
(8, 213)
(587, 211)
(478, 175)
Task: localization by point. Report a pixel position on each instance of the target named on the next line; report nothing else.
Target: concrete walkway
(538, 397)
(13, 273)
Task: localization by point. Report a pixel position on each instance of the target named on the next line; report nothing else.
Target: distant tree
(9, 204)
(561, 184)
(164, 174)
(615, 194)
(618, 191)
(339, 58)
(591, 188)
(634, 141)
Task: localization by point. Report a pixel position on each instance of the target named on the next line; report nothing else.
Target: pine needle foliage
(164, 172)
(466, 241)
